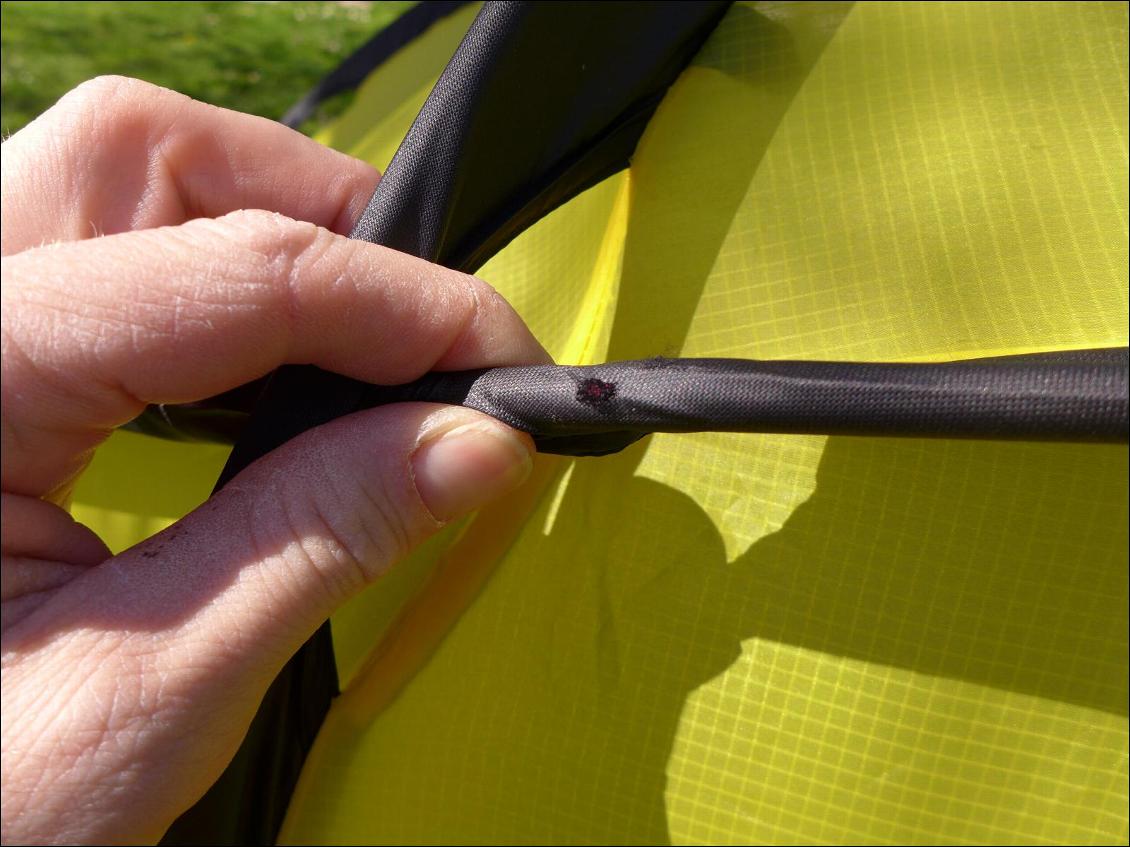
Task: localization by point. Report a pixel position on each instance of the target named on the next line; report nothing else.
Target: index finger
(118, 154)
(94, 331)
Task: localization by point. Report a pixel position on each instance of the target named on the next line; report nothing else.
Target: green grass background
(252, 56)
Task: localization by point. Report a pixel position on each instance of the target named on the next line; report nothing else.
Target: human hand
(130, 680)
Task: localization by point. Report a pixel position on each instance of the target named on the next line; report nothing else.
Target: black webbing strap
(599, 409)
(585, 411)
(541, 101)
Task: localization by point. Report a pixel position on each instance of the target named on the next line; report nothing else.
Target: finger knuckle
(340, 526)
(477, 301)
(347, 537)
(107, 86)
(107, 111)
(273, 236)
(108, 95)
(284, 248)
(487, 299)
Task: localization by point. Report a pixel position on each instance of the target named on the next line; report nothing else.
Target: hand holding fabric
(158, 250)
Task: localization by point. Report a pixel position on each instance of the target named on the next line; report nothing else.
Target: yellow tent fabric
(781, 639)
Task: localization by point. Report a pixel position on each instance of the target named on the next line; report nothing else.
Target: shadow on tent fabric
(983, 588)
(958, 561)
(662, 278)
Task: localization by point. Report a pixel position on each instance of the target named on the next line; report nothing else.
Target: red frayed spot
(596, 391)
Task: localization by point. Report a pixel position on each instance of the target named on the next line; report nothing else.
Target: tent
(818, 632)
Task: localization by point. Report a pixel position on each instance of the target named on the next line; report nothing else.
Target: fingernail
(468, 466)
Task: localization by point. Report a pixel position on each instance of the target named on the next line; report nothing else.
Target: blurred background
(257, 57)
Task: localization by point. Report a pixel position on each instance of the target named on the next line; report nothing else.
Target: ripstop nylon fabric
(725, 638)
(734, 638)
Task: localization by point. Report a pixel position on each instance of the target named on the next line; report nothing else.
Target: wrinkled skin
(160, 250)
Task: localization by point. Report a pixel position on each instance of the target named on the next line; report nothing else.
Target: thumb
(289, 539)
(164, 651)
